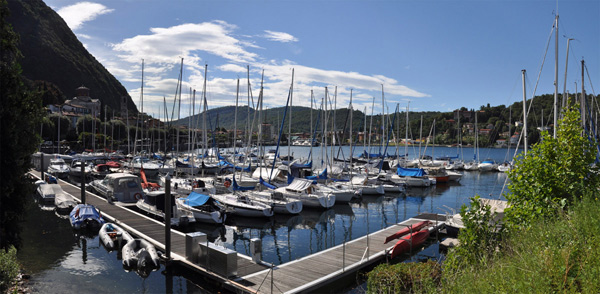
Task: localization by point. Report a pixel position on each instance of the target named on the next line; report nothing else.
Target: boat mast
(524, 113)
(564, 98)
(351, 153)
(204, 135)
(237, 96)
(583, 118)
(555, 76)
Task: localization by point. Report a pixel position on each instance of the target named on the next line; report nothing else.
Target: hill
(54, 55)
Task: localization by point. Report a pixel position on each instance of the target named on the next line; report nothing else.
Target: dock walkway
(316, 270)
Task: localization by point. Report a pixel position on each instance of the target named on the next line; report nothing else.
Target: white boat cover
(298, 185)
(268, 174)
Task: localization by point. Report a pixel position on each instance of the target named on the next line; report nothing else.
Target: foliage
(553, 175)
(479, 238)
(404, 277)
(9, 268)
(20, 118)
(555, 255)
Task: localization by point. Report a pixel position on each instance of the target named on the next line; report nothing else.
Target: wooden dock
(299, 276)
(316, 270)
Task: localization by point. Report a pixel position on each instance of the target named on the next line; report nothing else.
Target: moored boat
(113, 236)
(86, 216)
(412, 241)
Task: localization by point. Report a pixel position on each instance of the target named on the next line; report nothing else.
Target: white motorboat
(240, 204)
(48, 191)
(150, 167)
(204, 208)
(185, 186)
(154, 203)
(58, 168)
(362, 181)
(120, 187)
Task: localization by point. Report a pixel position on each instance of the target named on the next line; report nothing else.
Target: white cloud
(279, 37)
(216, 42)
(77, 14)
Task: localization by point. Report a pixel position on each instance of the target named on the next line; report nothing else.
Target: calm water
(59, 261)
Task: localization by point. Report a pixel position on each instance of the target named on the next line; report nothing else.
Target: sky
(433, 55)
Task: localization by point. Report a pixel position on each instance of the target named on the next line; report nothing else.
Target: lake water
(59, 261)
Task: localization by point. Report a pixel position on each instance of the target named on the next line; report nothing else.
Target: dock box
(218, 259)
(192, 249)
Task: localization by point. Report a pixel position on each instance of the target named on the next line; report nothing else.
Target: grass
(559, 255)
(556, 255)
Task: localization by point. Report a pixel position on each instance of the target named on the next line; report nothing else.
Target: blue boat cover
(227, 164)
(196, 199)
(410, 172)
(237, 187)
(321, 176)
(82, 212)
(262, 182)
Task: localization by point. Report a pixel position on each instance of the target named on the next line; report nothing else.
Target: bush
(553, 174)
(9, 268)
(405, 277)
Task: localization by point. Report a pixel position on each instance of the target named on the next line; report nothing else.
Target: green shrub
(405, 277)
(553, 174)
(9, 268)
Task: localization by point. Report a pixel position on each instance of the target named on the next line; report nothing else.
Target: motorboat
(122, 187)
(412, 177)
(75, 169)
(185, 186)
(58, 168)
(140, 254)
(113, 236)
(240, 204)
(48, 191)
(86, 216)
(64, 202)
(205, 208)
(100, 171)
(138, 163)
(154, 203)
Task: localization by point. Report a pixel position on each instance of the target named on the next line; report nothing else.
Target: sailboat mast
(237, 96)
(406, 135)
(204, 135)
(311, 124)
(351, 151)
(290, 122)
(556, 108)
(524, 114)
(564, 97)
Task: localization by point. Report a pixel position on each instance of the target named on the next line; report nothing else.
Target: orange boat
(406, 230)
(404, 245)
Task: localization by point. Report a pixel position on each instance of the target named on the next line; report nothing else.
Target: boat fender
(195, 184)
(138, 196)
(227, 184)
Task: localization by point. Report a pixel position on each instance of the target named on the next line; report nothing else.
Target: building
(83, 99)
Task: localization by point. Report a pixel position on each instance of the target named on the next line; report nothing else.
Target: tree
(554, 173)
(20, 118)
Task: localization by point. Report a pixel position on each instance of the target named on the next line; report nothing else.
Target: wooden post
(168, 216)
(82, 181)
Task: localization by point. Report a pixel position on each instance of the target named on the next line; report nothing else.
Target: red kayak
(406, 230)
(404, 245)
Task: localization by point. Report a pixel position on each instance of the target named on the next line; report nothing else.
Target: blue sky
(439, 55)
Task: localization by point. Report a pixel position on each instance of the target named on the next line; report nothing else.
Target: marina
(290, 243)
